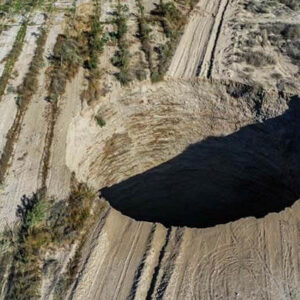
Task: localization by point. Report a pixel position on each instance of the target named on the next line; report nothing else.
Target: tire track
(196, 43)
(91, 246)
(209, 73)
(140, 269)
(158, 266)
(127, 262)
(169, 265)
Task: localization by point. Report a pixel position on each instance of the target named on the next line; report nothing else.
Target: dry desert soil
(150, 149)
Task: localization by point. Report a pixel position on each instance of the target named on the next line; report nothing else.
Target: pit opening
(252, 172)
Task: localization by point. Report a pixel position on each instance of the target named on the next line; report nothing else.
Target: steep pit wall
(190, 141)
(190, 154)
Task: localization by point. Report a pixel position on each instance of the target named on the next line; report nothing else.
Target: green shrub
(124, 77)
(156, 76)
(172, 21)
(45, 223)
(66, 60)
(121, 20)
(37, 215)
(96, 43)
(141, 74)
(121, 59)
(67, 51)
(144, 31)
(100, 121)
(122, 56)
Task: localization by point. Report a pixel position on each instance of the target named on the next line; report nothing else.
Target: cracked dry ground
(157, 146)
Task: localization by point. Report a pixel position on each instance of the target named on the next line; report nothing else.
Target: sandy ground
(195, 47)
(8, 107)
(100, 279)
(149, 5)
(147, 125)
(232, 41)
(24, 173)
(64, 4)
(7, 39)
(247, 259)
(59, 176)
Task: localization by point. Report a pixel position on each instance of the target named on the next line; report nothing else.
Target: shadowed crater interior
(251, 172)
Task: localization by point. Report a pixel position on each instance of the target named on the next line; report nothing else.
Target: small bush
(122, 56)
(66, 60)
(141, 74)
(45, 223)
(67, 51)
(100, 121)
(291, 32)
(121, 20)
(292, 4)
(156, 76)
(121, 59)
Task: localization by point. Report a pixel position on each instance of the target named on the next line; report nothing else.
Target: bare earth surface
(247, 259)
(195, 48)
(200, 171)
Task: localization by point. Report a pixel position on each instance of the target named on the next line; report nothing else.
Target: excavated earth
(192, 154)
(200, 171)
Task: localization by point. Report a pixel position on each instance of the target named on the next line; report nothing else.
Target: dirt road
(194, 53)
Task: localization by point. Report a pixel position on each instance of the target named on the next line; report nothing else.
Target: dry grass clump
(25, 92)
(267, 6)
(171, 17)
(30, 83)
(122, 56)
(96, 41)
(44, 225)
(12, 57)
(286, 37)
(66, 60)
(255, 58)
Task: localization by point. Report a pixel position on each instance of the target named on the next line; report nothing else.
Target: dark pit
(252, 172)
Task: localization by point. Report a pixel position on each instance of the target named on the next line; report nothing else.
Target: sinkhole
(252, 172)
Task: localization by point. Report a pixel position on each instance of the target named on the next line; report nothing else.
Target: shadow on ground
(251, 172)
